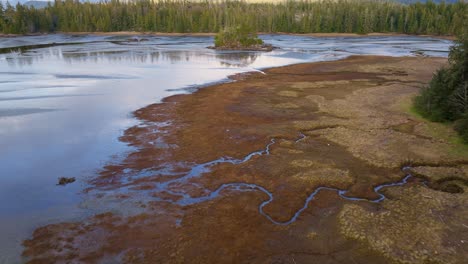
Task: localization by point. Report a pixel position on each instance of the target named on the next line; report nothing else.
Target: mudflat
(310, 163)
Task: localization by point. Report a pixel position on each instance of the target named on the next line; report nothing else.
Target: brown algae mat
(309, 163)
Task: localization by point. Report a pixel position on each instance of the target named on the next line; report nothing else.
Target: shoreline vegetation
(166, 34)
(241, 37)
(337, 124)
(342, 16)
(445, 99)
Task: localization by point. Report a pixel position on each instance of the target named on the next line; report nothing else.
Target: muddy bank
(217, 172)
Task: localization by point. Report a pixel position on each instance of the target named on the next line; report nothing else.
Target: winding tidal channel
(186, 199)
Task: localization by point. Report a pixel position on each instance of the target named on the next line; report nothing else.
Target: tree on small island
(241, 37)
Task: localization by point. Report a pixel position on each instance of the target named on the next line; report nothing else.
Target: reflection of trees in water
(237, 59)
(229, 59)
(111, 57)
(19, 61)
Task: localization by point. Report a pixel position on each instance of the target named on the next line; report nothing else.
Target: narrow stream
(185, 199)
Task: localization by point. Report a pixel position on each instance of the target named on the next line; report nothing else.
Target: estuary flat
(66, 99)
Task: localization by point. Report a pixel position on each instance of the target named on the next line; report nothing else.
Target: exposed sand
(337, 124)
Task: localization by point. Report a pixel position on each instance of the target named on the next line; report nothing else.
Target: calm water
(63, 107)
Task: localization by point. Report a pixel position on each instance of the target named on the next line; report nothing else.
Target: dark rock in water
(419, 53)
(137, 39)
(65, 180)
(260, 47)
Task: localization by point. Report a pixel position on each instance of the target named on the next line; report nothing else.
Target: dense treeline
(207, 16)
(446, 97)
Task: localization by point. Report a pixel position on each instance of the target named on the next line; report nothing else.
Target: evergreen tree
(446, 97)
(358, 16)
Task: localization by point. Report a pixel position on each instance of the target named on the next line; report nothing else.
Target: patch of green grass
(442, 131)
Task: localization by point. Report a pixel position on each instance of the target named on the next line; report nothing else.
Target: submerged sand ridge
(280, 168)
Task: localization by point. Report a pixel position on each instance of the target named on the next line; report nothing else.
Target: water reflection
(23, 111)
(226, 59)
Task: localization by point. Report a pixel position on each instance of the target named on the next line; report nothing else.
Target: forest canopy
(341, 16)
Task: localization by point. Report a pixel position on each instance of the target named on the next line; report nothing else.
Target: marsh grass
(438, 130)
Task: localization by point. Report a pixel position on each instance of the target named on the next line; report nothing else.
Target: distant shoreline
(317, 35)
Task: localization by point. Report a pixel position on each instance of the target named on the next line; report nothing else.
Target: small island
(240, 37)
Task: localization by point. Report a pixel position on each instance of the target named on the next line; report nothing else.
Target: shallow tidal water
(65, 100)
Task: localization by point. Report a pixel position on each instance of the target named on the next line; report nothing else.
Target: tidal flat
(240, 159)
(311, 162)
